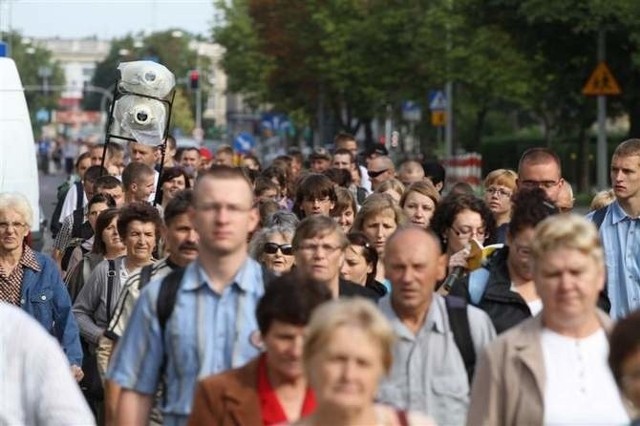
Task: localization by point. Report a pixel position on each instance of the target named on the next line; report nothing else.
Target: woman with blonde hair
(347, 351)
(392, 187)
(499, 186)
(378, 218)
(419, 201)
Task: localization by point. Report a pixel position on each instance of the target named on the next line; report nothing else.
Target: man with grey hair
(380, 169)
(410, 171)
(431, 371)
(319, 246)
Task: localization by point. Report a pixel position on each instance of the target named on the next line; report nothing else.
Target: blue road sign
(244, 142)
(438, 102)
(4, 49)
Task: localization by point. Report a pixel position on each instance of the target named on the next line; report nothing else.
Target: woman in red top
(271, 389)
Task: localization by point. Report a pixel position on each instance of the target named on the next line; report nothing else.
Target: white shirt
(37, 385)
(70, 202)
(580, 389)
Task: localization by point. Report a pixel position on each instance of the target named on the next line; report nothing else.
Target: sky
(105, 19)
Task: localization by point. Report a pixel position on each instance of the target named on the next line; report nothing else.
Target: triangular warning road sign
(601, 82)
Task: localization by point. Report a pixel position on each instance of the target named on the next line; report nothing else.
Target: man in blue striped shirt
(212, 327)
(620, 230)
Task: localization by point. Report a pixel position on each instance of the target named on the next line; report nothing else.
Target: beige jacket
(508, 387)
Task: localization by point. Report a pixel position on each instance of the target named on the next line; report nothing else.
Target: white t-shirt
(580, 389)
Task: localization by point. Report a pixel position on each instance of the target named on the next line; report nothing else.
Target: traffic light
(194, 79)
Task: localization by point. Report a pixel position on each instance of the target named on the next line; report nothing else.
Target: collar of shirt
(434, 321)
(246, 277)
(28, 259)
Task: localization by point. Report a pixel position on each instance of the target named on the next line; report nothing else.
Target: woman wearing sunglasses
(272, 247)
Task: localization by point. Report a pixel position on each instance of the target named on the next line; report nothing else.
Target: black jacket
(350, 289)
(506, 308)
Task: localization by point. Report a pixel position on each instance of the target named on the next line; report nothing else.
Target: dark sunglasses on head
(272, 248)
(373, 174)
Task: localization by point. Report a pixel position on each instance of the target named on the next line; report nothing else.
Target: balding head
(410, 172)
(413, 273)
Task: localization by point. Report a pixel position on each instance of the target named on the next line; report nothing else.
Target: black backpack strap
(145, 275)
(598, 216)
(80, 194)
(110, 276)
(459, 323)
(167, 296)
(78, 220)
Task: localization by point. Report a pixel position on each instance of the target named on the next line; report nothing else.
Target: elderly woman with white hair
(32, 281)
(272, 248)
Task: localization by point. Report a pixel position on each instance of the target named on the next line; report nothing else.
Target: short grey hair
(13, 201)
(256, 246)
(282, 218)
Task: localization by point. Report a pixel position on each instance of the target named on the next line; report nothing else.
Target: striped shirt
(37, 385)
(207, 333)
(64, 237)
(129, 295)
(11, 284)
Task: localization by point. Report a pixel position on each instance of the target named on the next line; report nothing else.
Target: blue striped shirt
(620, 235)
(206, 334)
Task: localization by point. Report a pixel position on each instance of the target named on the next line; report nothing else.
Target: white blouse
(580, 388)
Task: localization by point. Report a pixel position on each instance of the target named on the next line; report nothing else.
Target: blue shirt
(206, 334)
(620, 235)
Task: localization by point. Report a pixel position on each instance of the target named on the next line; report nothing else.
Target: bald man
(410, 172)
(540, 167)
(380, 169)
(428, 372)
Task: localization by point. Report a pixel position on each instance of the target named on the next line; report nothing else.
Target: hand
(77, 372)
(459, 258)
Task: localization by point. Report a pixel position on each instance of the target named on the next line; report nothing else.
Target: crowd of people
(190, 287)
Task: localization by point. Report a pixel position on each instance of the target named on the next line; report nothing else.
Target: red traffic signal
(194, 79)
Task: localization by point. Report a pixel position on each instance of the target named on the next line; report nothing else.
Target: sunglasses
(272, 248)
(376, 174)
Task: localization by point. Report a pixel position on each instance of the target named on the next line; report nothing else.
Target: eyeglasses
(4, 226)
(467, 232)
(314, 248)
(523, 251)
(318, 200)
(546, 184)
(272, 248)
(375, 174)
(502, 193)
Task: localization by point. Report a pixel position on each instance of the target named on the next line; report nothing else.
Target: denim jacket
(45, 297)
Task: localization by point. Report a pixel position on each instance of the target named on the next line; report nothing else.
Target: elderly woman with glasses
(499, 186)
(272, 247)
(31, 280)
(457, 220)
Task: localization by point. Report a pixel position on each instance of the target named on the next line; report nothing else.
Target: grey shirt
(90, 307)
(428, 372)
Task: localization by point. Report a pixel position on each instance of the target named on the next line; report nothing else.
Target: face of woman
(13, 230)
(379, 227)
(355, 267)
(498, 198)
(346, 372)
(283, 344)
(346, 219)
(111, 238)
(274, 258)
(140, 240)
(419, 208)
(94, 211)
(171, 187)
(468, 224)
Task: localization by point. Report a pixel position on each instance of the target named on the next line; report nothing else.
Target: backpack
(459, 323)
(62, 192)
(80, 232)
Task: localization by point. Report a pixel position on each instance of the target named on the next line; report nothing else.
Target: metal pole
(198, 108)
(601, 150)
(448, 130)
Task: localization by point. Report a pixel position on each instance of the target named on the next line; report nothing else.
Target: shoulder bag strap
(110, 276)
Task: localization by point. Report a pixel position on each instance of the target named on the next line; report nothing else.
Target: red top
(272, 412)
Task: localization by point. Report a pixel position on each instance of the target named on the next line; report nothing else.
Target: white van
(18, 161)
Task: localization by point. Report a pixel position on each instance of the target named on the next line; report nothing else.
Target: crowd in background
(194, 287)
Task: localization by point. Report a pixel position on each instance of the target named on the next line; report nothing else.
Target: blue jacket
(45, 297)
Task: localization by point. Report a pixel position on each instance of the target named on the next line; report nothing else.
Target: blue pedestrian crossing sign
(244, 142)
(4, 49)
(438, 101)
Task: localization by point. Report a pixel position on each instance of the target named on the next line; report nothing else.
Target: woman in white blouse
(552, 369)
